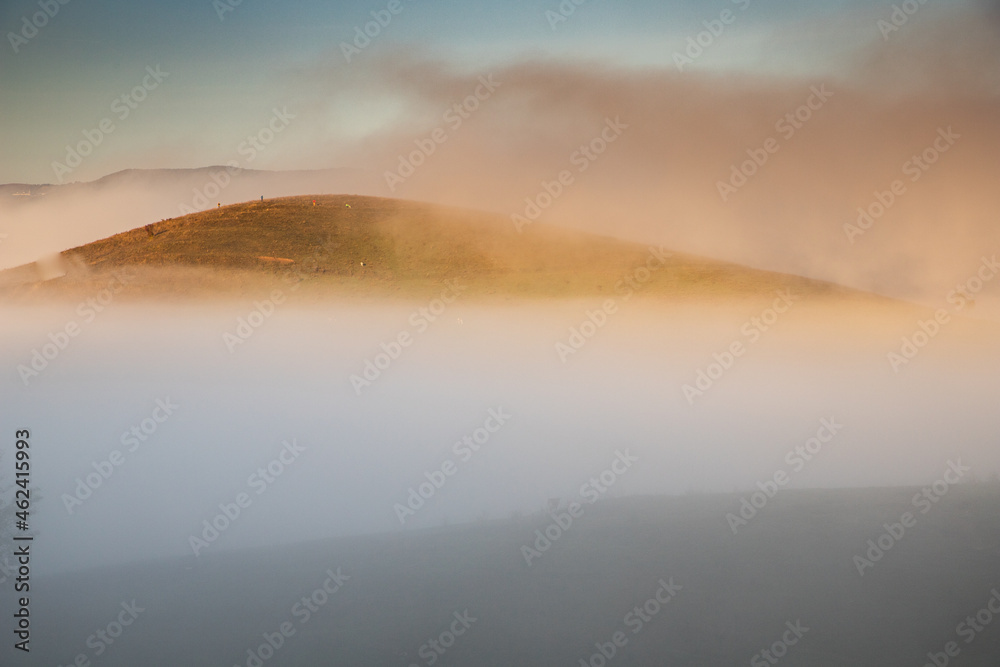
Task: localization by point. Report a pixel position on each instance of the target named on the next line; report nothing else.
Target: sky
(227, 66)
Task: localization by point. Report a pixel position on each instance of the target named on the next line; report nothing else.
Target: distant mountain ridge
(155, 177)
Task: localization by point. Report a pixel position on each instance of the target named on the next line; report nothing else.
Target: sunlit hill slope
(352, 245)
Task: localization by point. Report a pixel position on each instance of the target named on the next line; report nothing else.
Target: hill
(367, 245)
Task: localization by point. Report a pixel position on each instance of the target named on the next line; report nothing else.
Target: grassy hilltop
(374, 246)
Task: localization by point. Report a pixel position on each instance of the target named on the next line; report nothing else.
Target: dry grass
(368, 246)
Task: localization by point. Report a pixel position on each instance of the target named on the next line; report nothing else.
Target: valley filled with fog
(367, 437)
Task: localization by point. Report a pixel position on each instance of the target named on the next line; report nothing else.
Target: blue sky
(226, 75)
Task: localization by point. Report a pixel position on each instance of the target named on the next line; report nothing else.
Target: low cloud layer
(695, 167)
